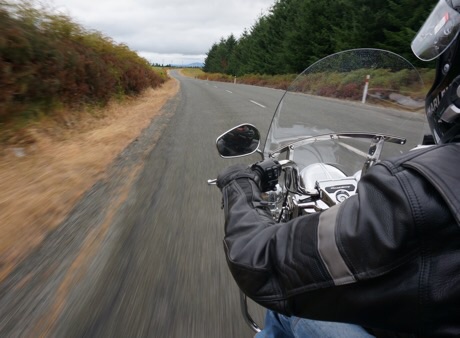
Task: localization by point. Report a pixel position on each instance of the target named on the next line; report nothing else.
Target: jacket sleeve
(328, 266)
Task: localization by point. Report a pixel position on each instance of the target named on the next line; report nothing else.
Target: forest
(295, 33)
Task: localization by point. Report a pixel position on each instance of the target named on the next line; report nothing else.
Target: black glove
(265, 174)
(269, 170)
(234, 172)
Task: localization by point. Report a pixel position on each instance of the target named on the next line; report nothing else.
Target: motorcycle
(337, 119)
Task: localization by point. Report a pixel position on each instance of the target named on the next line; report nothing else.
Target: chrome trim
(212, 182)
(240, 125)
(247, 317)
(451, 113)
(335, 136)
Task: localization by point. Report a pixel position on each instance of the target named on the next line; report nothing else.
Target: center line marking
(229, 91)
(353, 149)
(257, 103)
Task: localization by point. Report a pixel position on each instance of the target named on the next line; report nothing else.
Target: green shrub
(47, 59)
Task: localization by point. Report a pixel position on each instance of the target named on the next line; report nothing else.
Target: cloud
(166, 27)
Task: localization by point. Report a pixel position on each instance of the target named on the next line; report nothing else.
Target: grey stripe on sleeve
(328, 249)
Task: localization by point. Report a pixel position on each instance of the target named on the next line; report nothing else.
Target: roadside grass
(332, 83)
(162, 72)
(192, 72)
(41, 182)
(272, 81)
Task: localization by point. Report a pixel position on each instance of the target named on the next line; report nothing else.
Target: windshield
(368, 91)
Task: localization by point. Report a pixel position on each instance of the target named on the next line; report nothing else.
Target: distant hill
(190, 65)
(195, 64)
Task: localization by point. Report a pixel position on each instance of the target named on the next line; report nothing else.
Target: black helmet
(438, 38)
(240, 138)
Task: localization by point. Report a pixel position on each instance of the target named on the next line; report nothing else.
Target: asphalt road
(164, 274)
(159, 270)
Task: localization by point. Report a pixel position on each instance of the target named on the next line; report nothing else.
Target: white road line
(257, 103)
(216, 87)
(353, 149)
(229, 91)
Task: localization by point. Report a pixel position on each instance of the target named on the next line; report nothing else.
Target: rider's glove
(269, 171)
(265, 174)
(234, 172)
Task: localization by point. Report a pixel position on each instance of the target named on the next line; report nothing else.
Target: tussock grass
(335, 84)
(192, 72)
(272, 81)
(47, 61)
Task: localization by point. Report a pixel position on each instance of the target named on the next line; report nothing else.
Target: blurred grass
(272, 81)
(39, 188)
(193, 72)
(48, 61)
(162, 72)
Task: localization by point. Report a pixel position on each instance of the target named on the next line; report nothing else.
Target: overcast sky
(166, 31)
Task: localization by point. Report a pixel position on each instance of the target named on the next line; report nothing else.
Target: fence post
(234, 81)
(366, 88)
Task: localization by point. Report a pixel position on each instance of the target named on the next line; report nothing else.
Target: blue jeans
(279, 326)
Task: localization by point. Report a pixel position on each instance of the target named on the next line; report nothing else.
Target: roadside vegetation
(332, 84)
(51, 66)
(192, 72)
(71, 100)
(384, 82)
(271, 81)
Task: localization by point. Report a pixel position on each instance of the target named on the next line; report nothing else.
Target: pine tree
(296, 33)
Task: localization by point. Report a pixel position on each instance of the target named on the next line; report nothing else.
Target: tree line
(296, 33)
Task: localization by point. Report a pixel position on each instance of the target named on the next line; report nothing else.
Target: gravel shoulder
(58, 202)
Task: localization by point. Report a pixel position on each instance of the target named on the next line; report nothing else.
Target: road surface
(148, 261)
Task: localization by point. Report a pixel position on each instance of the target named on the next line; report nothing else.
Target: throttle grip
(269, 171)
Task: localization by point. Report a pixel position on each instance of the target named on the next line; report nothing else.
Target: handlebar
(282, 163)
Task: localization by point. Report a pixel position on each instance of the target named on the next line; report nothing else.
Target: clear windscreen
(363, 91)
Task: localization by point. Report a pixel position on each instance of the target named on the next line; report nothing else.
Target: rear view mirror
(240, 141)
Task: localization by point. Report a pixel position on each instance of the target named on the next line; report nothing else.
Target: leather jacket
(387, 258)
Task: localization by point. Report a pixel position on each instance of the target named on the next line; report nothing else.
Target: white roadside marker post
(366, 88)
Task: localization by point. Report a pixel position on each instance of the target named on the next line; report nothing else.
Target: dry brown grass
(192, 72)
(38, 190)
